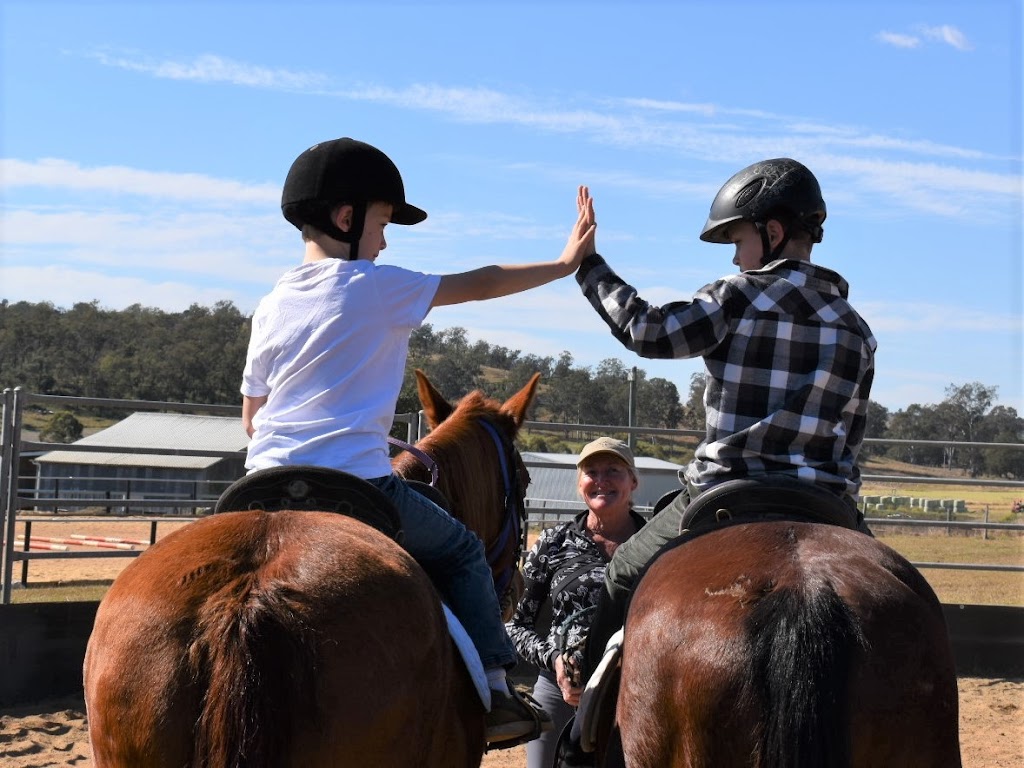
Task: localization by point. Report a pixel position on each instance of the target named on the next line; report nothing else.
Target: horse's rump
(280, 641)
(786, 644)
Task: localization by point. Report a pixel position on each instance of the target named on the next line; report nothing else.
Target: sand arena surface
(55, 733)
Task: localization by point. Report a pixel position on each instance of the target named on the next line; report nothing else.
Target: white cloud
(922, 318)
(949, 35)
(54, 173)
(898, 39)
(208, 68)
(941, 34)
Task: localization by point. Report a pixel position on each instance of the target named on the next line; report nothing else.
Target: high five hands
(581, 239)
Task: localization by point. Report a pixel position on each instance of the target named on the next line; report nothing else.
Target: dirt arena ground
(54, 733)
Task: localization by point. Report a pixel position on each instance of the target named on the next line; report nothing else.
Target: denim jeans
(454, 559)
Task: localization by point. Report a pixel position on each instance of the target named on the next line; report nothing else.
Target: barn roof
(553, 480)
(171, 431)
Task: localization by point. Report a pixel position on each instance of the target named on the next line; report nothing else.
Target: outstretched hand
(582, 237)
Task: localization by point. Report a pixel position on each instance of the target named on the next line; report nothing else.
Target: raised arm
(498, 280)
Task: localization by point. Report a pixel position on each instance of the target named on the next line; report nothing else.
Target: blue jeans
(454, 559)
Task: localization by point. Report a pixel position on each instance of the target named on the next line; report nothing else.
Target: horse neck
(470, 472)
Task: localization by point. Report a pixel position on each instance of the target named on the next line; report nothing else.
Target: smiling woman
(564, 574)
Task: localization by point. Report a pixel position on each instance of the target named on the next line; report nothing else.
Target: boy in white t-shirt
(327, 357)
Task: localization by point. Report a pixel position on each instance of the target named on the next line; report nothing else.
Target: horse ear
(517, 405)
(434, 405)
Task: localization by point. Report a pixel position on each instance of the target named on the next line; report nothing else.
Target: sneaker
(514, 716)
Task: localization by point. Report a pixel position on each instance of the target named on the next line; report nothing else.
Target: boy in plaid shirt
(789, 363)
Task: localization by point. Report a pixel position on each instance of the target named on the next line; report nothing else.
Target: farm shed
(70, 474)
(553, 481)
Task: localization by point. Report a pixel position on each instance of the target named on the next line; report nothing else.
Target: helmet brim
(407, 214)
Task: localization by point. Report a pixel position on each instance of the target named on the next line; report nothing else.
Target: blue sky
(143, 147)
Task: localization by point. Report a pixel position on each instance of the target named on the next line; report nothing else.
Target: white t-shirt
(328, 349)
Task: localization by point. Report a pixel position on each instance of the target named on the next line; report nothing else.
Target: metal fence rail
(15, 500)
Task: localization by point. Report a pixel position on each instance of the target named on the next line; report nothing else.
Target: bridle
(513, 506)
(514, 509)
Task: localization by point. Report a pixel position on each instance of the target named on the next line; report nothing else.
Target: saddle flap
(600, 692)
(316, 489)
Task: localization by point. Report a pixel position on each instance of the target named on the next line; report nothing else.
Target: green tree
(61, 427)
(657, 403)
(1003, 425)
(965, 408)
(694, 414)
(877, 426)
(916, 422)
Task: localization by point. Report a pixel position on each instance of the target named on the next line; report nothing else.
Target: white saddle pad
(470, 656)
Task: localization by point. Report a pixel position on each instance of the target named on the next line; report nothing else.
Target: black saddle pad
(312, 488)
(765, 498)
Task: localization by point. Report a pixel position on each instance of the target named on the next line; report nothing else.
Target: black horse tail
(803, 644)
(257, 669)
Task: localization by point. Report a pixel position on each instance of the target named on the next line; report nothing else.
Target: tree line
(197, 356)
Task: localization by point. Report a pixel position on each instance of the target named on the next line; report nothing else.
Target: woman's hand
(570, 692)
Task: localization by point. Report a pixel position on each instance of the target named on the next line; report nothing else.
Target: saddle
(313, 488)
(771, 497)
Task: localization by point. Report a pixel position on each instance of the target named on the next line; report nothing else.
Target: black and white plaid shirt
(789, 367)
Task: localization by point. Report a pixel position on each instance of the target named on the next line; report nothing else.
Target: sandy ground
(54, 733)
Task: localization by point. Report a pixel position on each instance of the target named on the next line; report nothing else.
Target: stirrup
(539, 725)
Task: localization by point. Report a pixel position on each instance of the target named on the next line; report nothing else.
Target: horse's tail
(255, 661)
(804, 641)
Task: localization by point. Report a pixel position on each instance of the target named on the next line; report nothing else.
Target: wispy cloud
(944, 33)
(115, 179)
(948, 35)
(924, 318)
(209, 68)
(912, 173)
(898, 40)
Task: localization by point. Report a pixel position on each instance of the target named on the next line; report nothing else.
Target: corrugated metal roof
(173, 431)
(642, 462)
(553, 485)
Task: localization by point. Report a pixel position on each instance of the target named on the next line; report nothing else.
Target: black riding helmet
(780, 189)
(344, 170)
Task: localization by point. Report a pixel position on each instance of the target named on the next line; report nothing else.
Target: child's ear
(775, 232)
(343, 217)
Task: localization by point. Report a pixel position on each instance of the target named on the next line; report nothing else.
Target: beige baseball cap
(607, 445)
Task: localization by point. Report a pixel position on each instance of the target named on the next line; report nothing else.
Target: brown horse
(786, 644)
(298, 638)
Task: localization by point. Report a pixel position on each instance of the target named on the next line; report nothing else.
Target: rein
(513, 515)
(428, 462)
(512, 524)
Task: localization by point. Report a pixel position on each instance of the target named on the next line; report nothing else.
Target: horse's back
(778, 643)
(308, 621)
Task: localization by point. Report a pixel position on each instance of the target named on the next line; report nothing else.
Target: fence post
(11, 459)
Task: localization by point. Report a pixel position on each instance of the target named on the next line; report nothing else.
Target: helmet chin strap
(769, 254)
(356, 231)
(325, 224)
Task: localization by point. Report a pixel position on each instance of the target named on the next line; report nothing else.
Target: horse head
(480, 472)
